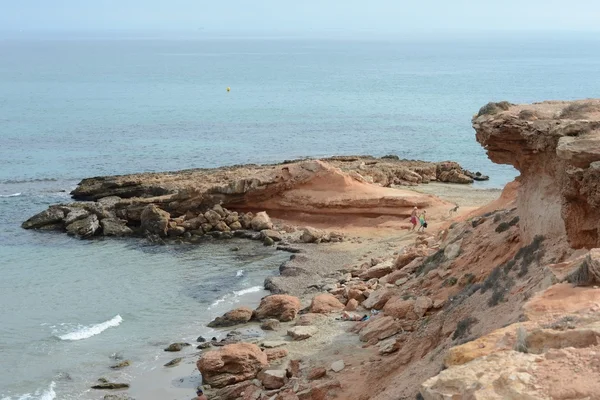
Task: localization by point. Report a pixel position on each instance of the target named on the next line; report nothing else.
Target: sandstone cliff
(556, 147)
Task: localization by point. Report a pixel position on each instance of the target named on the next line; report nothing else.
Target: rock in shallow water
(176, 346)
(85, 227)
(110, 386)
(50, 216)
(174, 362)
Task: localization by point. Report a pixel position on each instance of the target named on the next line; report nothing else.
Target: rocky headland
(498, 302)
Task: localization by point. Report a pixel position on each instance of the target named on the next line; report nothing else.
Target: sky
(301, 16)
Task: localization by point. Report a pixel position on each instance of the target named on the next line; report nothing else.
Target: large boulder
(325, 303)
(85, 227)
(422, 304)
(75, 214)
(237, 316)
(52, 215)
(154, 220)
(261, 221)
(281, 307)
(379, 328)
(272, 234)
(115, 227)
(231, 364)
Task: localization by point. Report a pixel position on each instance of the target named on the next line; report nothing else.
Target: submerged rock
(110, 386)
(121, 365)
(174, 362)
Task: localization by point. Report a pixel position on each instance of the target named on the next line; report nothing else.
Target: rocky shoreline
(496, 302)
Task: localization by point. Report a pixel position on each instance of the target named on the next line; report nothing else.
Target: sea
(79, 105)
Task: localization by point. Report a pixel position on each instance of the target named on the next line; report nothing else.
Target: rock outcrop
(240, 315)
(556, 147)
(231, 364)
(193, 202)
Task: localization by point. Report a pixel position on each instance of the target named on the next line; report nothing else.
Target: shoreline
(331, 259)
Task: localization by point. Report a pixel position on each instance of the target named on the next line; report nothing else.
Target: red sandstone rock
(278, 306)
(379, 328)
(316, 373)
(325, 303)
(237, 316)
(399, 309)
(351, 305)
(378, 298)
(275, 354)
(231, 364)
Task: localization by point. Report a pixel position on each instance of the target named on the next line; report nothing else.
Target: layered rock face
(556, 147)
(171, 204)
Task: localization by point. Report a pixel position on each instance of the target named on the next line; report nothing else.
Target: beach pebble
(337, 366)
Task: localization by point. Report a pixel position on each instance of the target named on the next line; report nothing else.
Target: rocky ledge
(220, 201)
(556, 147)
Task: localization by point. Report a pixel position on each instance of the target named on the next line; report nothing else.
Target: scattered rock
(267, 241)
(275, 354)
(278, 306)
(204, 345)
(337, 366)
(237, 316)
(261, 222)
(212, 217)
(270, 233)
(316, 373)
(378, 298)
(378, 271)
(311, 235)
(379, 328)
(271, 344)
(231, 364)
(399, 308)
(422, 304)
(122, 364)
(325, 303)
(302, 332)
(176, 346)
(351, 305)
(270, 324)
(110, 386)
(273, 379)
(174, 362)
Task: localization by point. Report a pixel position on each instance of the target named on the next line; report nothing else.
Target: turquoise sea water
(72, 108)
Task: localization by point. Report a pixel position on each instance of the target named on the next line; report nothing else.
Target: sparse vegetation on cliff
(492, 108)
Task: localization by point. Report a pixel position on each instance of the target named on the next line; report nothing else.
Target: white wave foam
(89, 331)
(234, 295)
(252, 289)
(240, 273)
(10, 195)
(48, 394)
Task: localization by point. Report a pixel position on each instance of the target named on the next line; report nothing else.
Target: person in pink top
(413, 218)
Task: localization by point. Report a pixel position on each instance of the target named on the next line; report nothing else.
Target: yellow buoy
(228, 89)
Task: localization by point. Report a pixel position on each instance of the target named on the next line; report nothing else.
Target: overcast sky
(302, 16)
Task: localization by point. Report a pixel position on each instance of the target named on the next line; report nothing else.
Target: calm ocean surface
(73, 108)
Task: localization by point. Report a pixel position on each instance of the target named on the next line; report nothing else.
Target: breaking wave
(10, 195)
(92, 330)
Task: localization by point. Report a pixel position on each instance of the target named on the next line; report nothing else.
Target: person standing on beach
(413, 218)
(423, 221)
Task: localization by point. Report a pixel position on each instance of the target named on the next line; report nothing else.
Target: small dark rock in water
(270, 325)
(203, 346)
(289, 249)
(117, 397)
(103, 380)
(267, 241)
(201, 339)
(174, 362)
(235, 249)
(122, 364)
(176, 346)
(214, 339)
(111, 386)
